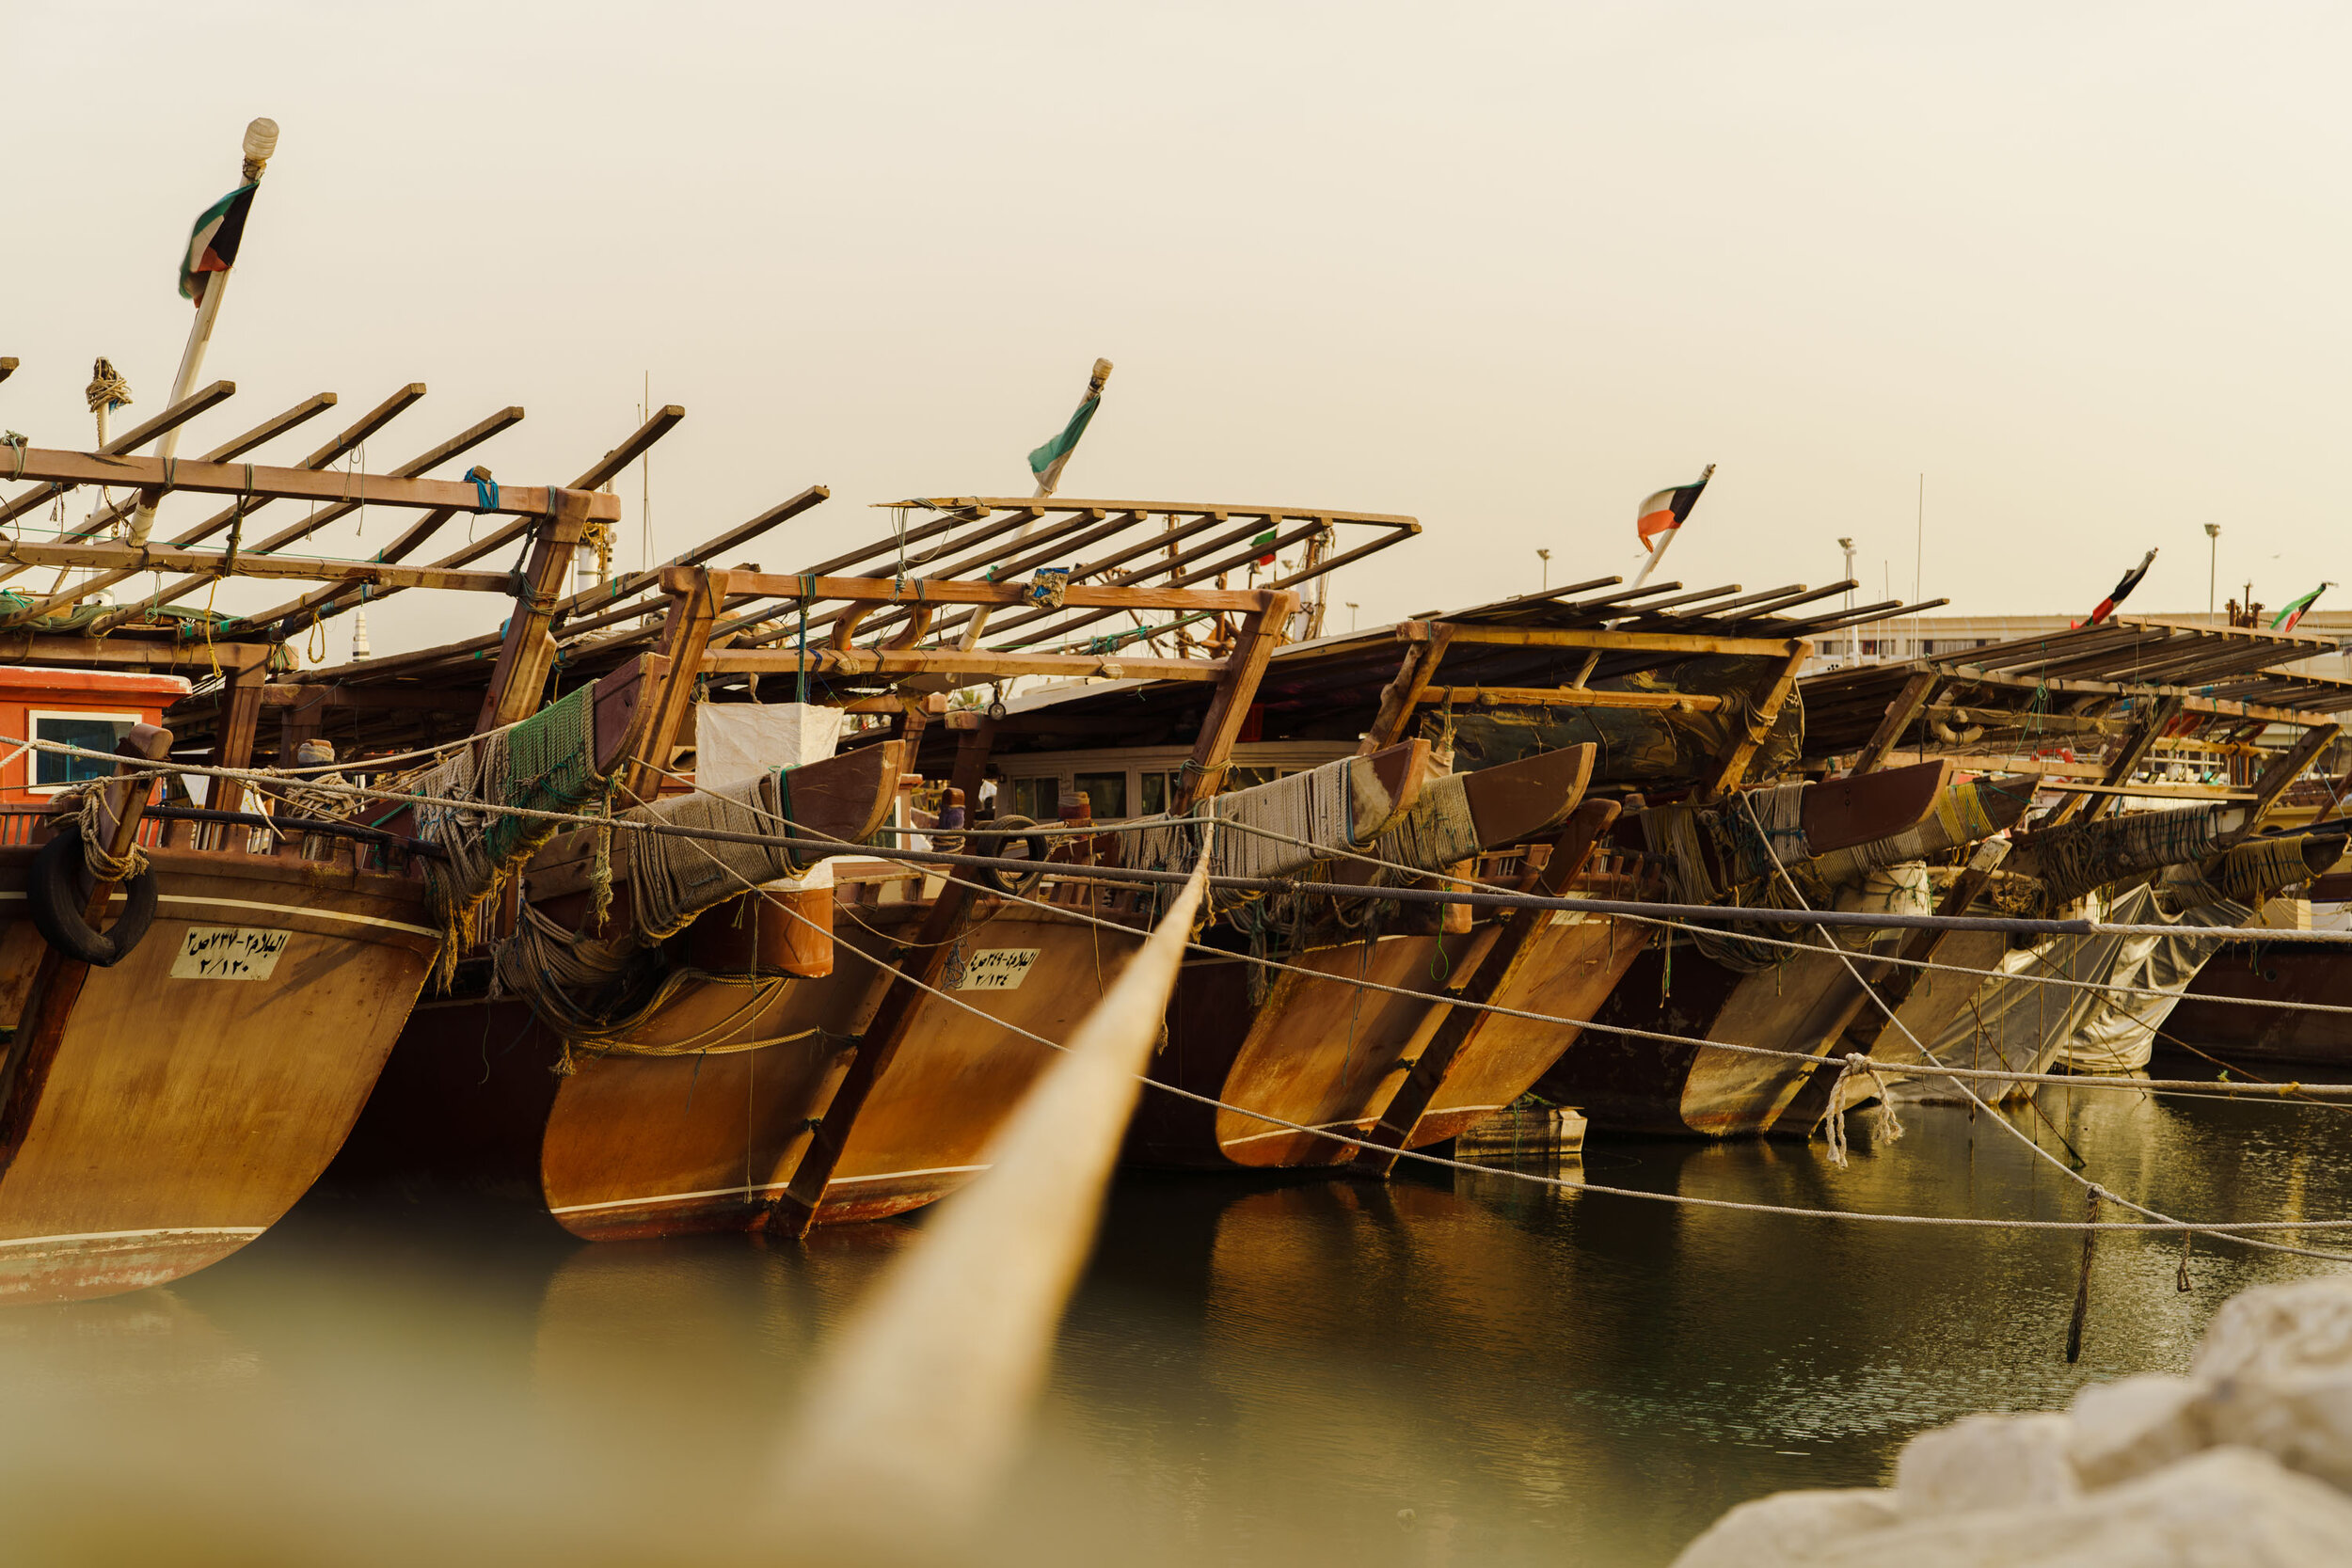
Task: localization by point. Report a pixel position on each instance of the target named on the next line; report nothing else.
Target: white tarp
(736, 742)
(2021, 1026)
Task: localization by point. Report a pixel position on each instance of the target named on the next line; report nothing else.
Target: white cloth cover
(736, 742)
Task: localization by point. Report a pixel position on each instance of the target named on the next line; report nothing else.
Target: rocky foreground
(2246, 1462)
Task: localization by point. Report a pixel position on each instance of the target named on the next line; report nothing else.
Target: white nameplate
(998, 969)
(1567, 917)
(228, 953)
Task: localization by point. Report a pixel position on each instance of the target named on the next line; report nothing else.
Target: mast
(260, 142)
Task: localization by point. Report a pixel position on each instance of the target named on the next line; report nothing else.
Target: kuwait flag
(2121, 590)
(2286, 618)
(1047, 462)
(1663, 512)
(213, 243)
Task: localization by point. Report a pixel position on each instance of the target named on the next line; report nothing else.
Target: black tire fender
(57, 896)
(990, 845)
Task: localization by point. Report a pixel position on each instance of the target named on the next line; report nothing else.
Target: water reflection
(1454, 1369)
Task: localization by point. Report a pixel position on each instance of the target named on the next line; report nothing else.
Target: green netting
(550, 766)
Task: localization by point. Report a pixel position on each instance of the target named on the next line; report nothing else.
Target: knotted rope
(95, 860)
(106, 389)
(1833, 1126)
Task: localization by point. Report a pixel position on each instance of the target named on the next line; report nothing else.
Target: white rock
(2225, 1508)
(2126, 1429)
(2277, 1370)
(1788, 1528)
(1987, 1461)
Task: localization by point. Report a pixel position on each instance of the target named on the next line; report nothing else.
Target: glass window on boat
(96, 732)
(1242, 778)
(1105, 795)
(1156, 789)
(1039, 800)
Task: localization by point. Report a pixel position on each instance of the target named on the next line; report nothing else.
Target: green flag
(1047, 462)
(2285, 619)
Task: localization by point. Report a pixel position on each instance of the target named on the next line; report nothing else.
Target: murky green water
(1252, 1373)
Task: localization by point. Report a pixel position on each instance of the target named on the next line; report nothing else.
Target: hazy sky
(1506, 268)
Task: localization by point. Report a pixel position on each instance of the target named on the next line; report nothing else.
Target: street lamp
(1350, 615)
(2213, 566)
(1847, 545)
(1545, 556)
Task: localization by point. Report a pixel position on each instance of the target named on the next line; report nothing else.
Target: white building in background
(1928, 636)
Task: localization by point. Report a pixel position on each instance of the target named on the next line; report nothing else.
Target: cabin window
(1156, 791)
(98, 732)
(1105, 795)
(1039, 800)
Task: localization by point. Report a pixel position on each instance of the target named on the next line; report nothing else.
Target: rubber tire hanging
(57, 896)
(991, 846)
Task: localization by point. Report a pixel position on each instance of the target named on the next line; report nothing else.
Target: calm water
(1252, 1374)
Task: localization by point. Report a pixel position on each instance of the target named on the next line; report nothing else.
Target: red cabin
(81, 707)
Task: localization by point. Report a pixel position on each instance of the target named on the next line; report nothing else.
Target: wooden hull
(1624, 1083)
(630, 1146)
(2286, 971)
(174, 1119)
(1320, 1052)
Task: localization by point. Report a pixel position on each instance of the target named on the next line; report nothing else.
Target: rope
(2239, 1231)
(103, 866)
(106, 389)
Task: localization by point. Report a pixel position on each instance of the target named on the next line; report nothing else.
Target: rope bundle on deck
(547, 762)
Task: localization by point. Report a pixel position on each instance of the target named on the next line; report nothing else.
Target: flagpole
(260, 142)
(1592, 660)
(1046, 482)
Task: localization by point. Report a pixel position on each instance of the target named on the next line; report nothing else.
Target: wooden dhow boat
(195, 999)
(706, 1055)
(1381, 1030)
(2130, 713)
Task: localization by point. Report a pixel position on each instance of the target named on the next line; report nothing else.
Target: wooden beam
(1775, 695)
(1254, 642)
(2133, 751)
(1404, 691)
(125, 653)
(1459, 1026)
(1570, 696)
(2152, 791)
(164, 558)
(2272, 786)
(521, 673)
(1631, 641)
(977, 664)
(1899, 717)
(945, 591)
(300, 485)
(232, 747)
(363, 699)
(685, 634)
(796, 1207)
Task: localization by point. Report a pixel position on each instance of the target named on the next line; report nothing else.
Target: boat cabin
(94, 708)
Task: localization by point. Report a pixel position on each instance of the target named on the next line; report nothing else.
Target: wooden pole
(1046, 483)
(260, 142)
(529, 650)
(1914, 696)
(1455, 1027)
(911, 1424)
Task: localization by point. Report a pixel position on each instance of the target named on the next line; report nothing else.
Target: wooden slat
(1734, 766)
(1899, 714)
(929, 591)
(978, 664)
(1571, 696)
(1632, 642)
(301, 484)
(529, 651)
(33, 553)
